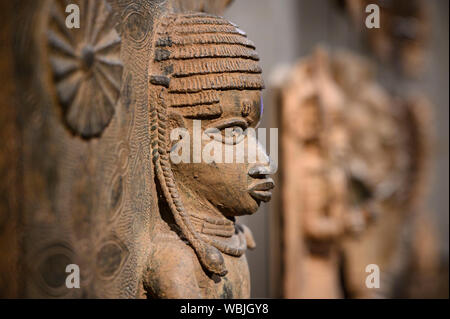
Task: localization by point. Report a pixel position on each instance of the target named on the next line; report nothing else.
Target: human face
(234, 187)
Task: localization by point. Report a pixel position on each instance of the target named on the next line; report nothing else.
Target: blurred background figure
(398, 133)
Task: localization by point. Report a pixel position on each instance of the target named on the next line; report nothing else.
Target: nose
(263, 164)
(260, 171)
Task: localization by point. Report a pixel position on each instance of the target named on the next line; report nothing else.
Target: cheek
(217, 182)
(233, 176)
(222, 183)
(232, 190)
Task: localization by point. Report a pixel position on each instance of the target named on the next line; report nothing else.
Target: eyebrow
(220, 124)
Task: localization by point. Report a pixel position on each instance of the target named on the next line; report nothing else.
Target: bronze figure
(203, 68)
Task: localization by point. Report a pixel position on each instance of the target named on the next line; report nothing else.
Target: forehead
(245, 104)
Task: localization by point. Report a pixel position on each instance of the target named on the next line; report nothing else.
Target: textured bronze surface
(82, 181)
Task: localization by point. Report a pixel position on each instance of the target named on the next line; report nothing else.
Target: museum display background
(286, 30)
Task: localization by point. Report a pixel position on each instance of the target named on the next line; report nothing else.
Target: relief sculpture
(390, 156)
(96, 111)
(317, 198)
(357, 159)
(404, 33)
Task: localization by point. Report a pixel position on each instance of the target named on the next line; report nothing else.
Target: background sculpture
(356, 158)
(404, 35)
(317, 183)
(390, 155)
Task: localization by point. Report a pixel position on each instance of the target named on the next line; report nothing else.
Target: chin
(248, 207)
(252, 205)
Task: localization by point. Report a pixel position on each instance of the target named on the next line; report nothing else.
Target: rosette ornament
(86, 65)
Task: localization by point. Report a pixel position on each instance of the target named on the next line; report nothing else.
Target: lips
(261, 189)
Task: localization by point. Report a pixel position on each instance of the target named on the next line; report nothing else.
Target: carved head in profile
(205, 79)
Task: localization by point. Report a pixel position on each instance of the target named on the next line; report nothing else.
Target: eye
(233, 134)
(230, 131)
(360, 193)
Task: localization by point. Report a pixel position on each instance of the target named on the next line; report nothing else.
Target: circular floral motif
(110, 258)
(49, 268)
(86, 65)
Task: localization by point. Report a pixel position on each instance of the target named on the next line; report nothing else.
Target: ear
(174, 120)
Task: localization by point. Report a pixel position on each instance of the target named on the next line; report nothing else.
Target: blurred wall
(285, 30)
